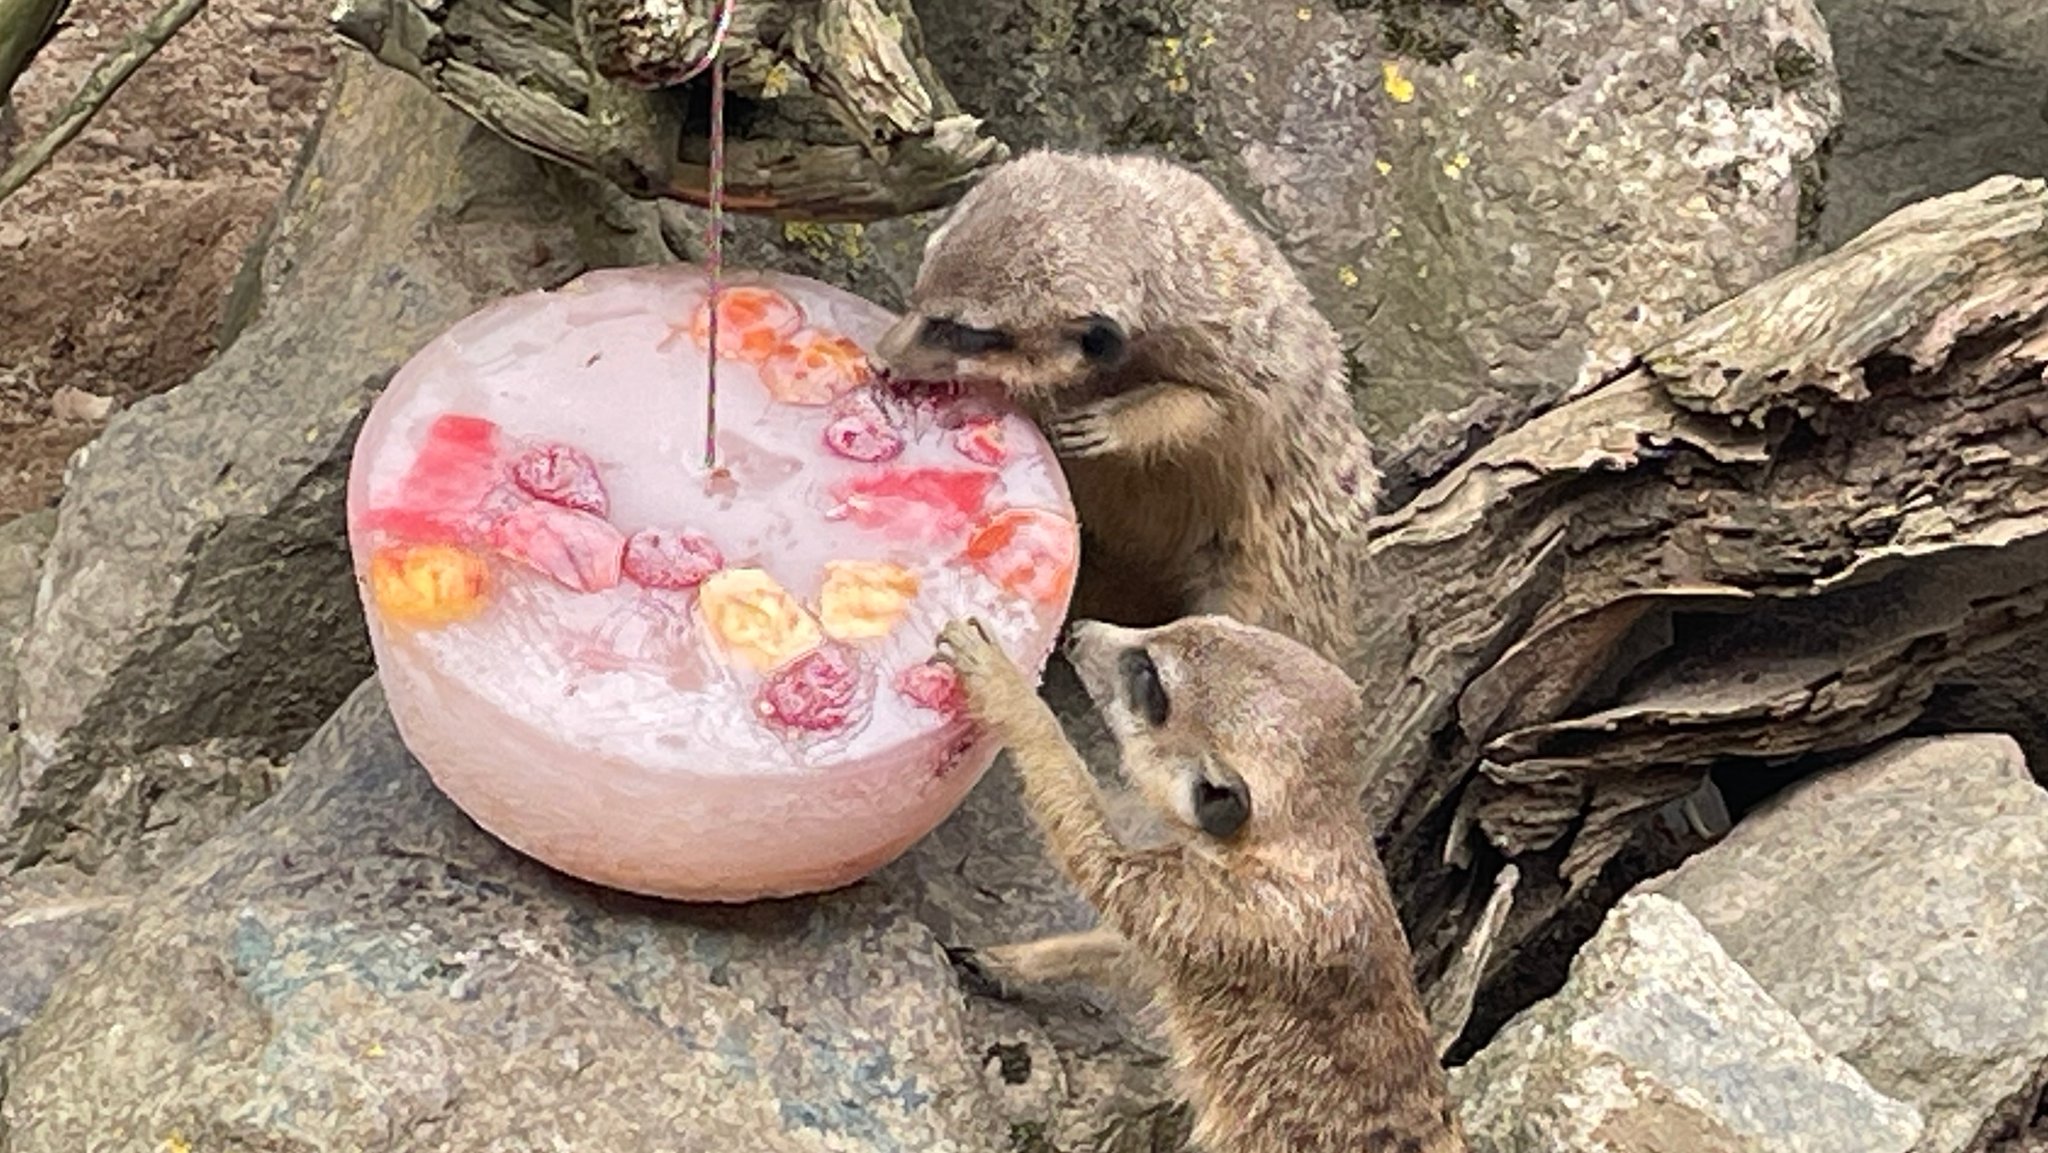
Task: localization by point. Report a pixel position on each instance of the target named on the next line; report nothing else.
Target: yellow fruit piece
(864, 598)
(755, 618)
(432, 584)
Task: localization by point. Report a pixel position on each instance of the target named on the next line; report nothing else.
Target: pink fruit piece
(914, 501)
(577, 549)
(981, 441)
(816, 691)
(933, 686)
(562, 475)
(457, 467)
(661, 559)
(860, 430)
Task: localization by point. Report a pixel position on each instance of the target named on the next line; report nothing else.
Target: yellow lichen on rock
(1399, 87)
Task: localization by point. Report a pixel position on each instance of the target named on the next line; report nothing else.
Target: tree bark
(837, 117)
(1768, 538)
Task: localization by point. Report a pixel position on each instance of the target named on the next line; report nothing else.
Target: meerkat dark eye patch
(1222, 803)
(1102, 340)
(961, 339)
(1142, 687)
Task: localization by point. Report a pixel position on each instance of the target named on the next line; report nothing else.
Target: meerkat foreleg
(1150, 887)
(1098, 956)
(1161, 419)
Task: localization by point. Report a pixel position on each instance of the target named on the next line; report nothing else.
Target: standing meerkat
(1181, 370)
(1262, 919)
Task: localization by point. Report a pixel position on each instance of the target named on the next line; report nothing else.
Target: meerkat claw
(1085, 433)
(975, 977)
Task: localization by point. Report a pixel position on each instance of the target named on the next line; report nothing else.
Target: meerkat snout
(1219, 802)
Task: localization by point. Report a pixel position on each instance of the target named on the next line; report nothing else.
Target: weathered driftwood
(1770, 537)
(833, 113)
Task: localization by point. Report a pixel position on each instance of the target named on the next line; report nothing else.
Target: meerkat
(1179, 367)
(1263, 920)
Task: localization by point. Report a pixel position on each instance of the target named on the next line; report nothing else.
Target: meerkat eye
(1222, 806)
(1102, 340)
(962, 340)
(1142, 687)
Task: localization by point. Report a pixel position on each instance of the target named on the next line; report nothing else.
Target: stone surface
(1660, 1043)
(1937, 95)
(1915, 885)
(50, 921)
(199, 579)
(1581, 177)
(23, 541)
(356, 967)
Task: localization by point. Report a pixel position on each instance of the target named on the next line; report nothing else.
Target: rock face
(1659, 1042)
(1938, 95)
(23, 541)
(198, 582)
(1915, 884)
(51, 920)
(353, 966)
(1511, 222)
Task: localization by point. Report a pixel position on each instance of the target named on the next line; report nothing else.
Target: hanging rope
(715, 233)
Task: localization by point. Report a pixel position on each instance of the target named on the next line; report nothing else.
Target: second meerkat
(1181, 369)
(1262, 921)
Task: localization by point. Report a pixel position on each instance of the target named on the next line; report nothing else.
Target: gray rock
(23, 541)
(1580, 176)
(1899, 908)
(1660, 1043)
(198, 582)
(50, 921)
(355, 966)
(1938, 95)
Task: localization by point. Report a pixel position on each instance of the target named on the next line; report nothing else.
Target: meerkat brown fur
(1263, 919)
(1179, 367)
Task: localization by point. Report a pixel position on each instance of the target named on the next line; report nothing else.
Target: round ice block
(706, 684)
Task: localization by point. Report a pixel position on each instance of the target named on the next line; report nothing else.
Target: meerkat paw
(995, 688)
(978, 976)
(1085, 432)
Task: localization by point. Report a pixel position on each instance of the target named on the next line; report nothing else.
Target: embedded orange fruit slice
(432, 584)
(814, 368)
(754, 323)
(1028, 551)
(864, 598)
(755, 618)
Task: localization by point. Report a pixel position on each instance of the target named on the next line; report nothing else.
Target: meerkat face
(1221, 725)
(1023, 283)
(1032, 362)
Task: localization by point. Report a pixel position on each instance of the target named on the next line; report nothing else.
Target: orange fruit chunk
(431, 584)
(1028, 551)
(814, 367)
(864, 598)
(754, 323)
(755, 618)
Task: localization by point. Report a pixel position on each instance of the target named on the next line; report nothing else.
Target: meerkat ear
(1222, 801)
(1102, 340)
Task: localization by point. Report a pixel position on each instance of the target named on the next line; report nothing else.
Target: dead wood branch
(1774, 537)
(106, 78)
(836, 115)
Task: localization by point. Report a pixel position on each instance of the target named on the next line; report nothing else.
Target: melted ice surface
(630, 674)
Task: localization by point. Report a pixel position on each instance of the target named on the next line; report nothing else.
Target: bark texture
(833, 113)
(1774, 535)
